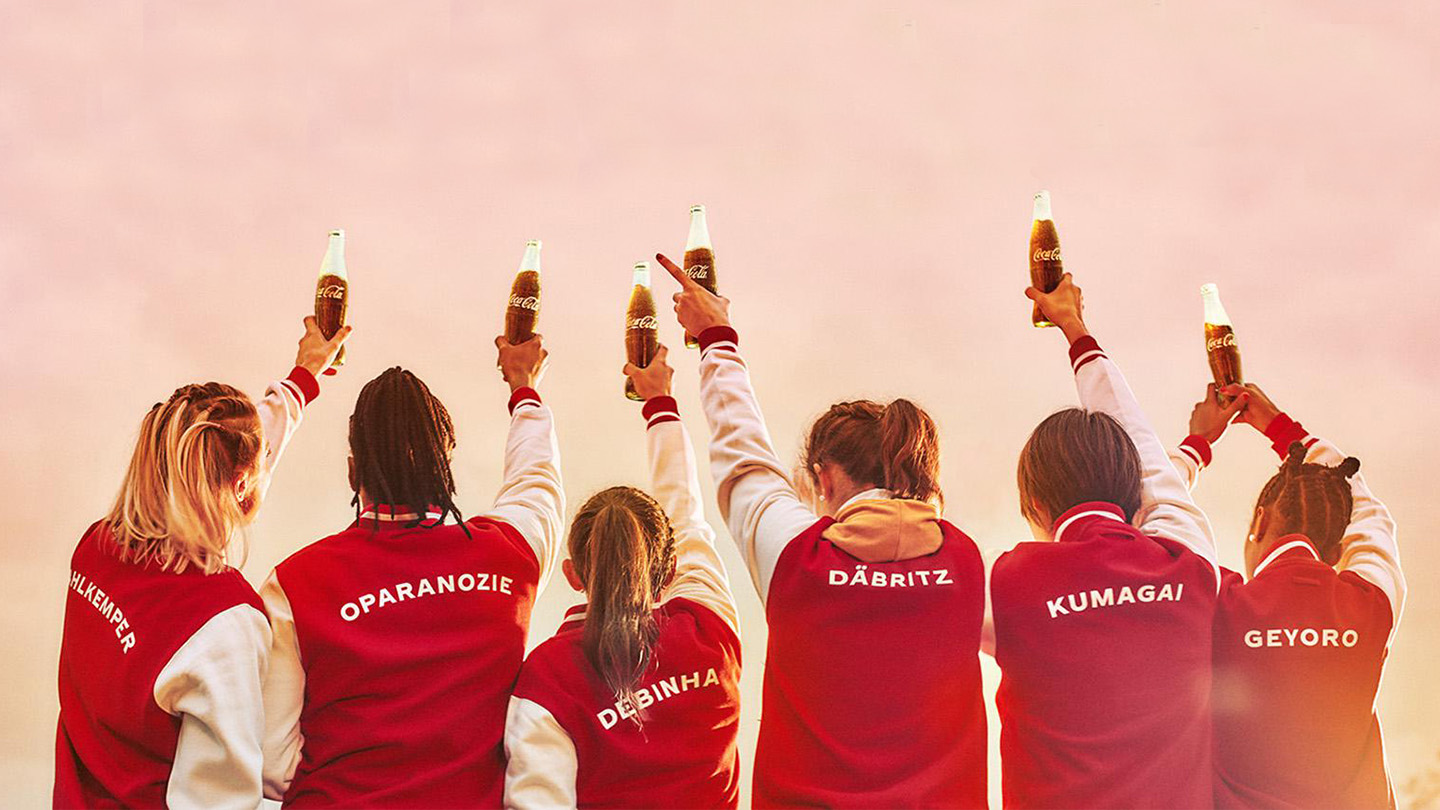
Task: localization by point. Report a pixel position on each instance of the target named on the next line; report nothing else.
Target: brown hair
(1075, 456)
(895, 446)
(624, 553)
(178, 506)
(402, 439)
(1311, 499)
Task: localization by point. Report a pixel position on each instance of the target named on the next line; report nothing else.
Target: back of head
(894, 446)
(401, 438)
(1310, 499)
(1075, 456)
(623, 551)
(180, 504)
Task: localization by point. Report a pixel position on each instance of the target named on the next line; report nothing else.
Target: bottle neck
(699, 232)
(1215, 311)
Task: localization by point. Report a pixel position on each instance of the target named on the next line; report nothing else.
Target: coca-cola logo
(1220, 342)
(529, 302)
(1051, 255)
(643, 322)
(331, 291)
(698, 271)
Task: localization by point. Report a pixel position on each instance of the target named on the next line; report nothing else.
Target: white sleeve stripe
(1085, 358)
(524, 402)
(1192, 453)
(294, 389)
(662, 416)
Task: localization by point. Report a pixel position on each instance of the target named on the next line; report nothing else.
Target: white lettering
(1096, 598)
(425, 588)
(485, 581)
(463, 584)
(1300, 637)
(1253, 638)
(608, 718)
(1350, 638)
(350, 611)
(403, 592)
(106, 607)
(386, 598)
(842, 579)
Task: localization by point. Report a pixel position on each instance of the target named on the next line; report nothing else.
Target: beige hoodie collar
(875, 526)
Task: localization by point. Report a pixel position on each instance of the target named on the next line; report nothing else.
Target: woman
(1102, 628)
(164, 643)
(397, 641)
(635, 701)
(872, 691)
(1301, 640)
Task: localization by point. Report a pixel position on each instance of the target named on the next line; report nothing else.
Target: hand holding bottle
(696, 308)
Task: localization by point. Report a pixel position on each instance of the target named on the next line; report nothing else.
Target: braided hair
(1311, 499)
(402, 438)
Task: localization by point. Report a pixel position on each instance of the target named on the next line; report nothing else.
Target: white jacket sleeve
(757, 500)
(283, 693)
(532, 497)
(280, 411)
(699, 573)
(1166, 508)
(1369, 547)
(1190, 457)
(541, 766)
(212, 684)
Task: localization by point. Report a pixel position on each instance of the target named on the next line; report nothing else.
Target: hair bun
(1349, 466)
(1295, 456)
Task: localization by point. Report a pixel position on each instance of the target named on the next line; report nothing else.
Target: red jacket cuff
(724, 336)
(658, 410)
(306, 383)
(524, 398)
(1198, 448)
(1283, 432)
(1083, 351)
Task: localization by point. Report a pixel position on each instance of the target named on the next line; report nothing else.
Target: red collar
(1290, 547)
(387, 513)
(1086, 512)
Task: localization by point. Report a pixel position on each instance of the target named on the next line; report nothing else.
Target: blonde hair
(178, 505)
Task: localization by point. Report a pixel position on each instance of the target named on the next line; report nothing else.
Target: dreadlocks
(1311, 499)
(401, 438)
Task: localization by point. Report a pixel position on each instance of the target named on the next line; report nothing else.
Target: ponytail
(178, 506)
(623, 550)
(895, 446)
(1311, 499)
(910, 452)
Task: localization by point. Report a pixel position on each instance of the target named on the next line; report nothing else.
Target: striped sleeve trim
(1198, 449)
(719, 337)
(1283, 432)
(659, 410)
(524, 398)
(1083, 351)
(303, 384)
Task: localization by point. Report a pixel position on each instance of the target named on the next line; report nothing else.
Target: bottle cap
(641, 274)
(1042, 205)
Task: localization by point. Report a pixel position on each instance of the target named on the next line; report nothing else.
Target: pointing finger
(676, 272)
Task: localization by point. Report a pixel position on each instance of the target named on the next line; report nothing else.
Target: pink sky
(168, 173)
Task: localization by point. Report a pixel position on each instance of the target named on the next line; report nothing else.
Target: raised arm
(699, 573)
(283, 404)
(757, 501)
(532, 496)
(1208, 422)
(1166, 508)
(1369, 547)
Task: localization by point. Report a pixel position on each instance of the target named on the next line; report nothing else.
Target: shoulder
(957, 541)
(550, 664)
(505, 534)
(679, 611)
(323, 548)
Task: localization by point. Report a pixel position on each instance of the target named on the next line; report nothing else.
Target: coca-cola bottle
(332, 293)
(642, 328)
(1220, 347)
(1046, 269)
(699, 259)
(524, 307)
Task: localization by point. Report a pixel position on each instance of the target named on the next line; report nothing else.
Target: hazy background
(168, 173)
